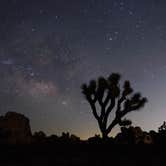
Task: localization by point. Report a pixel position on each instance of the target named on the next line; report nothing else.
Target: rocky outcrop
(15, 129)
(133, 135)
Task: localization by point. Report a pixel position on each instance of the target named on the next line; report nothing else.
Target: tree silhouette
(162, 128)
(162, 133)
(107, 92)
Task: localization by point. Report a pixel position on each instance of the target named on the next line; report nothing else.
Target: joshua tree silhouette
(107, 92)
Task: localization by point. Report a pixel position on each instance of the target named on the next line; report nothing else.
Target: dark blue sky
(49, 48)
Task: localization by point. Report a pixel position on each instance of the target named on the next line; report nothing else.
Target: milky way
(49, 48)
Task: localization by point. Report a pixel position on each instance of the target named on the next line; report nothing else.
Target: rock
(15, 129)
(133, 135)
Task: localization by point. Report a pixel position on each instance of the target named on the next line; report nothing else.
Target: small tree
(107, 92)
(162, 128)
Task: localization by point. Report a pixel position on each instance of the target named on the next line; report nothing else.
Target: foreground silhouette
(107, 93)
(15, 129)
(68, 149)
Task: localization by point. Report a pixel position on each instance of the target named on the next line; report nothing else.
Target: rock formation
(133, 135)
(14, 129)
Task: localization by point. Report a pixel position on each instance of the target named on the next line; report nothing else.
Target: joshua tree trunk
(104, 135)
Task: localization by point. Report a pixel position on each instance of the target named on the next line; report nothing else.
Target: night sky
(48, 48)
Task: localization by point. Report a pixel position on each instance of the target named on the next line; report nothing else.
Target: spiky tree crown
(107, 92)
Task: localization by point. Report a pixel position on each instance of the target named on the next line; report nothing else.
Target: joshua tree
(111, 99)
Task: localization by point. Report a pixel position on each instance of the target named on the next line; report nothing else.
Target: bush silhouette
(110, 97)
(162, 133)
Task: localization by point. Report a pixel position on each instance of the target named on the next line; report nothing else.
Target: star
(110, 39)
(64, 103)
(33, 29)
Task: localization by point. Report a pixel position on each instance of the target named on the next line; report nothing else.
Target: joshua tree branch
(110, 108)
(93, 107)
(112, 125)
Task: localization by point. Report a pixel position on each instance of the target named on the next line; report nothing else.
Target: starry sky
(49, 48)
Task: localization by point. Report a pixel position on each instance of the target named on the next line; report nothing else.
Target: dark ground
(82, 155)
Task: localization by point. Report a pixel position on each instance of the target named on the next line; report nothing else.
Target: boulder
(133, 135)
(15, 129)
